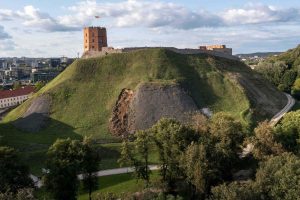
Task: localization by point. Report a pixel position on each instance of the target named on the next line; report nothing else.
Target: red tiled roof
(18, 92)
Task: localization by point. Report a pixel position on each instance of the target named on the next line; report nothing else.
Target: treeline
(66, 159)
(199, 161)
(283, 71)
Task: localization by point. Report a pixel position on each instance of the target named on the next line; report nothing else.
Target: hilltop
(88, 94)
(290, 57)
(283, 71)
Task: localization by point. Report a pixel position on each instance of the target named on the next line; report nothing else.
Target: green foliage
(66, 159)
(38, 85)
(234, 191)
(63, 163)
(13, 174)
(283, 70)
(89, 165)
(264, 142)
(227, 135)
(288, 131)
(296, 89)
(171, 139)
(142, 146)
(21, 194)
(278, 178)
(199, 168)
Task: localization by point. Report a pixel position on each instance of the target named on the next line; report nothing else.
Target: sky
(53, 28)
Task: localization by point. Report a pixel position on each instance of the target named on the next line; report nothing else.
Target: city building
(10, 98)
(217, 48)
(44, 76)
(95, 38)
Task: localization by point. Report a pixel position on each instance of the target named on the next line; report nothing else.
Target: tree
(63, 161)
(13, 174)
(288, 79)
(89, 165)
(198, 168)
(296, 89)
(278, 178)
(288, 131)
(227, 136)
(235, 191)
(142, 146)
(21, 194)
(126, 158)
(171, 139)
(39, 85)
(264, 142)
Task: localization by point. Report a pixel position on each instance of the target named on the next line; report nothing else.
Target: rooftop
(15, 93)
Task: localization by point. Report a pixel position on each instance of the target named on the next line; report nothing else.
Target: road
(280, 114)
(38, 183)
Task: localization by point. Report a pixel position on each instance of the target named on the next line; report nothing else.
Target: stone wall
(110, 50)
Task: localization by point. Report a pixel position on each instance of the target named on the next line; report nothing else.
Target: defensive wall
(110, 50)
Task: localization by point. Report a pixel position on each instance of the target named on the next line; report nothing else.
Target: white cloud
(258, 14)
(6, 15)
(142, 13)
(151, 14)
(33, 17)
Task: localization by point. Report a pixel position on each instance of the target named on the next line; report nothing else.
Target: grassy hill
(291, 57)
(83, 96)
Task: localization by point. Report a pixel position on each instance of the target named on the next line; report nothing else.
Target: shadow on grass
(33, 146)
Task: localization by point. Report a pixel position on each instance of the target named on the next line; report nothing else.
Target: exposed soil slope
(36, 115)
(152, 102)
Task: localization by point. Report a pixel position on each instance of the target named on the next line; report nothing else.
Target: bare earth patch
(36, 116)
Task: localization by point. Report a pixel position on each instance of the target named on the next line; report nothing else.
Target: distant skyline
(35, 28)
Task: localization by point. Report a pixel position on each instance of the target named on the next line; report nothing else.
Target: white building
(10, 98)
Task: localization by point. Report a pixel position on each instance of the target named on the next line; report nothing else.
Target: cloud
(33, 17)
(3, 34)
(151, 14)
(260, 14)
(6, 15)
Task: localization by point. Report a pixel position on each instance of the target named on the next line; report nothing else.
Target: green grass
(120, 185)
(33, 146)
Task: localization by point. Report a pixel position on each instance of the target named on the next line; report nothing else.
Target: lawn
(33, 146)
(120, 185)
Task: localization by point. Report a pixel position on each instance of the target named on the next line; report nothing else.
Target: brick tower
(94, 38)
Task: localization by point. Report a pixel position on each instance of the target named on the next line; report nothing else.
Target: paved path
(38, 183)
(280, 114)
(291, 102)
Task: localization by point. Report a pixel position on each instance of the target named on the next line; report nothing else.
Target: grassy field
(82, 97)
(120, 185)
(33, 146)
